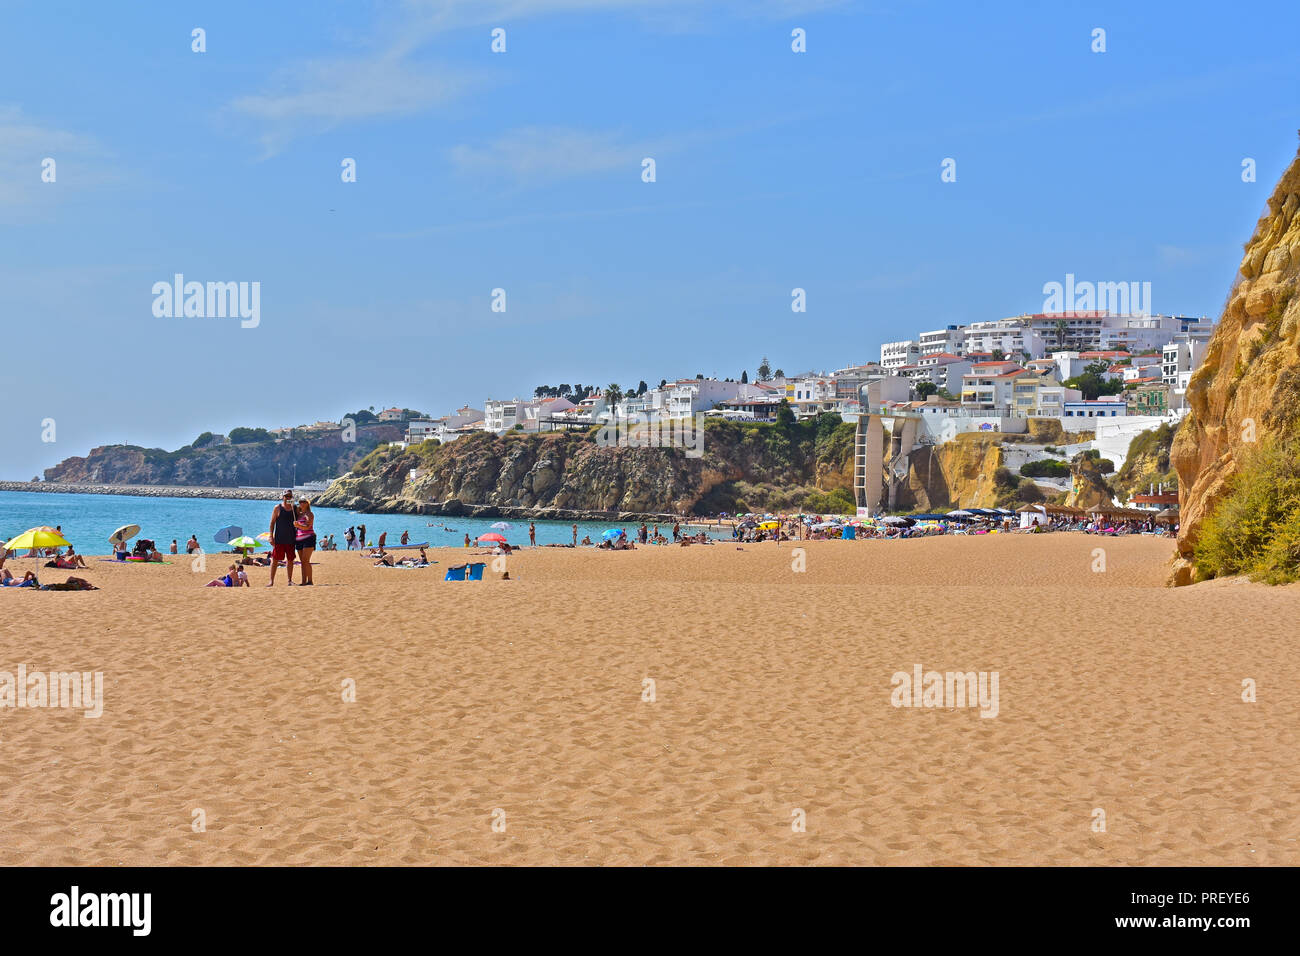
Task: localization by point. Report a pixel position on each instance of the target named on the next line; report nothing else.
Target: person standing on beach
(677, 531)
(406, 537)
(532, 535)
(192, 545)
(350, 537)
(174, 546)
(361, 541)
(467, 539)
(284, 537)
(575, 535)
(306, 543)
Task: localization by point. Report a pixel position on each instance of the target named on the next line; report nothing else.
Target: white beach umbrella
(124, 534)
(502, 525)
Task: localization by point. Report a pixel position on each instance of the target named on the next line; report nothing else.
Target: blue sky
(522, 171)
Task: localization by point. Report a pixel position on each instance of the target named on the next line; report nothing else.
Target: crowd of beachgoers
(292, 538)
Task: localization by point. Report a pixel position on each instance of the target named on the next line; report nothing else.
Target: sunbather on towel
(72, 584)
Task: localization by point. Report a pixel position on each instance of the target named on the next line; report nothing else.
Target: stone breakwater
(144, 491)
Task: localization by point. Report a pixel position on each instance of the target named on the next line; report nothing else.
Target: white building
(688, 396)
(500, 415)
(988, 386)
(1096, 408)
(813, 396)
(418, 429)
(1012, 336)
(894, 355)
(951, 339)
(1180, 358)
(941, 369)
(540, 413)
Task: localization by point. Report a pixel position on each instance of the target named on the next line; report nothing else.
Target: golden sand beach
(521, 702)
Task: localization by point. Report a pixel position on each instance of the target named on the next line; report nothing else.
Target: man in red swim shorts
(284, 537)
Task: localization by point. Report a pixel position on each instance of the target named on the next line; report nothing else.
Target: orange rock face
(1248, 387)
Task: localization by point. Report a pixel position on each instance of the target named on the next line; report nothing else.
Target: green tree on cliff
(784, 415)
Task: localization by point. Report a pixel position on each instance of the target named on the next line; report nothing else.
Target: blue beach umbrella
(227, 534)
(610, 533)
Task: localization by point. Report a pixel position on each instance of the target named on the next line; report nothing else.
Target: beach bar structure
(880, 458)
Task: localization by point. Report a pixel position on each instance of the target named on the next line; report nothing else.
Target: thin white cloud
(24, 144)
(535, 153)
(318, 95)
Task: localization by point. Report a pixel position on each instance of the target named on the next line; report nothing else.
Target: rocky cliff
(570, 472)
(1147, 464)
(255, 463)
(955, 474)
(1247, 391)
(1088, 487)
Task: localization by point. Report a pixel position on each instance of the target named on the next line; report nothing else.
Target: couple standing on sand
(293, 530)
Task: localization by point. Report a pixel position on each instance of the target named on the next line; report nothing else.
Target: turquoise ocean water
(88, 520)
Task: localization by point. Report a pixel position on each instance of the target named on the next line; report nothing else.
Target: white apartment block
(1012, 336)
(849, 381)
(1179, 359)
(681, 399)
(1105, 331)
(894, 355)
(950, 339)
(942, 369)
(500, 416)
(989, 385)
(418, 429)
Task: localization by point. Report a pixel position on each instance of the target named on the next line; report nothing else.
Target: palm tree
(1061, 327)
(613, 395)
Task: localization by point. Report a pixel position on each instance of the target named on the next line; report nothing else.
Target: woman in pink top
(305, 522)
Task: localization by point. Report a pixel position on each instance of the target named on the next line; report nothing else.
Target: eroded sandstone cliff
(1247, 390)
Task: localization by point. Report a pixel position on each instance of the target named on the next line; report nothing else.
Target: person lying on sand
(72, 584)
(28, 580)
(67, 561)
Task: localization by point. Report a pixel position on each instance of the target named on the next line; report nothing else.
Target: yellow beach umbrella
(769, 525)
(37, 538)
